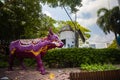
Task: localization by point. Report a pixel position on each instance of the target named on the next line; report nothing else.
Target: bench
(98, 75)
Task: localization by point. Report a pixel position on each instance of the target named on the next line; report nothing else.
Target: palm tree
(109, 21)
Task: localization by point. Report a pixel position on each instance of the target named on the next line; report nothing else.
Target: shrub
(73, 57)
(98, 67)
(3, 60)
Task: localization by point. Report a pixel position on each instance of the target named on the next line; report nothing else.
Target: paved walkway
(32, 74)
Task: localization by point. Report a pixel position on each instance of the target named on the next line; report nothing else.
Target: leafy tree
(45, 22)
(18, 15)
(113, 45)
(72, 4)
(23, 19)
(84, 30)
(109, 20)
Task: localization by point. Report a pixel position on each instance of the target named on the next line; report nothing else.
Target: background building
(67, 36)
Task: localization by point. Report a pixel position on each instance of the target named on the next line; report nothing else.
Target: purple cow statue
(33, 48)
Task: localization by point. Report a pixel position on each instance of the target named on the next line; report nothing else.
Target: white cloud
(102, 38)
(47, 13)
(90, 7)
(87, 22)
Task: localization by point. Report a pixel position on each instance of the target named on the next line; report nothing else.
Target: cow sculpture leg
(11, 59)
(22, 64)
(40, 66)
(11, 62)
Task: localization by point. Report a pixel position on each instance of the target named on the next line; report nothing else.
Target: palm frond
(102, 10)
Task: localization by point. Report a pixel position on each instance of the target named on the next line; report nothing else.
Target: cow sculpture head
(54, 39)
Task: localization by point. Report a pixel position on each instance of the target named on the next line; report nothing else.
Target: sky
(86, 16)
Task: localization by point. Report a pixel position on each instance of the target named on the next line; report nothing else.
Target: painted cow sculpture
(33, 48)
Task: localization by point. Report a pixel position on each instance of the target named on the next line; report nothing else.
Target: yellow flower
(52, 76)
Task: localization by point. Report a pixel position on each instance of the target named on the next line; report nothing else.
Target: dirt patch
(32, 74)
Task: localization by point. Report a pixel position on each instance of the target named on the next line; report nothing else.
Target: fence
(98, 75)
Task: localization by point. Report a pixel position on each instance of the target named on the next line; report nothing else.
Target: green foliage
(98, 67)
(84, 30)
(14, 18)
(113, 45)
(3, 61)
(30, 62)
(108, 19)
(23, 19)
(72, 4)
(74, 57)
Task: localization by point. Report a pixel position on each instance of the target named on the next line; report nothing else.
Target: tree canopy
(71, 4)
(113, 44)
(77, 26)
(24, 18)
(109, 20)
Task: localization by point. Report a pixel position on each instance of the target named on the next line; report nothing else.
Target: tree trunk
(116, 38)
(76, 39)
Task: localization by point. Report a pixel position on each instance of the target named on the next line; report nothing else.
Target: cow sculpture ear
(50, 31)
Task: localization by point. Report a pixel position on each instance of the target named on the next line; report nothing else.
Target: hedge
(74, 57)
